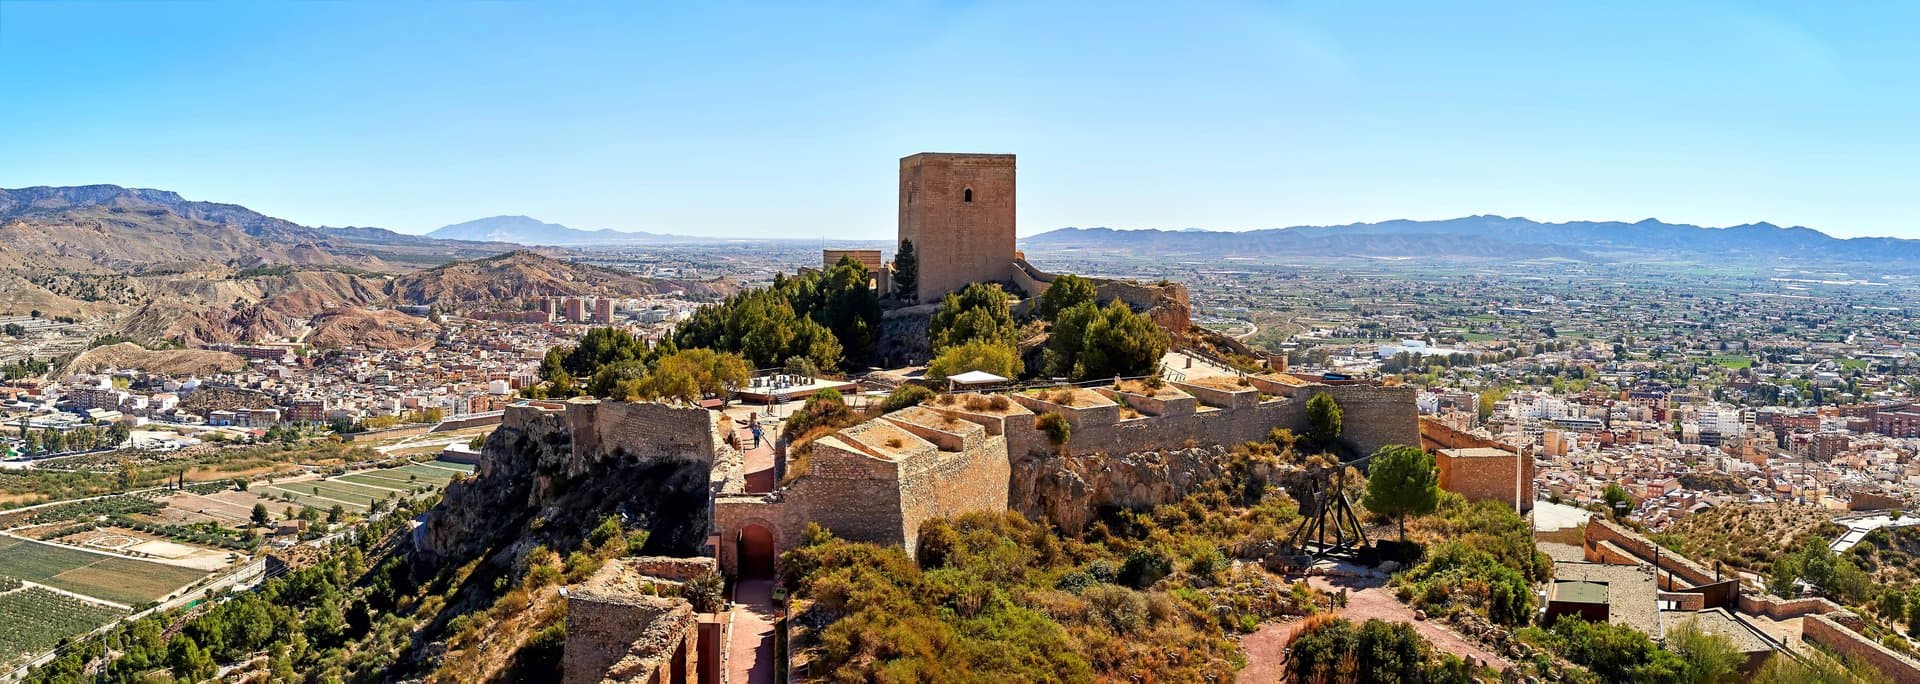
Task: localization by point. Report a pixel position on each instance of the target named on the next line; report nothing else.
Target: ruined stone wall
(1373, 417)
(1822, 630)
(626, 638)
(1437, 435)
(583, 458)
(640, 430)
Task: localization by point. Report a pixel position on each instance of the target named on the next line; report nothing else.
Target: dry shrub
(998, 403)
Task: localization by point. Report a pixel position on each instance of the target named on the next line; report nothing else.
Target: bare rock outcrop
(552, 469)
(1070, 491)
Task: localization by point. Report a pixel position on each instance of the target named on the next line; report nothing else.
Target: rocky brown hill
(110, 229)
(130, 356)
(507, 280)
(378, 329)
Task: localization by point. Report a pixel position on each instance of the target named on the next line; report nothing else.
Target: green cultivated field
(353, 491)
(1733, 361)
(34, 620)
(302, 494)
(378, 479)
(121, 580)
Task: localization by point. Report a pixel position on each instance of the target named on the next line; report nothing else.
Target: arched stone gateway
(756, 551)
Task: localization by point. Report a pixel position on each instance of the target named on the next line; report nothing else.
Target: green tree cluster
(1065, 292)
(825, 317)
(1323, 420)
(1332, 649)
(976, 355)
(618, 365)
(981, 312)
(1086, 341)
(1816, 564)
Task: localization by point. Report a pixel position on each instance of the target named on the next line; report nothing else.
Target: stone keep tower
(958, 211)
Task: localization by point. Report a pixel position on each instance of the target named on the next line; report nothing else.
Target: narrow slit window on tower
(967, 196)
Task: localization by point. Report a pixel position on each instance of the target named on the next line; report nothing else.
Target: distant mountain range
(529, 231)
(151, 265)
(1495, 237)
(111, 229)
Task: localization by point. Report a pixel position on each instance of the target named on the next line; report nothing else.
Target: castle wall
(1374, 416)
(1483, 478)
(958, 240)
(645, 430)
(950, 483)
(1821, 629)
(857, 494)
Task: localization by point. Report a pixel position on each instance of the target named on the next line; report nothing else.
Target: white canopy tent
(974, 379)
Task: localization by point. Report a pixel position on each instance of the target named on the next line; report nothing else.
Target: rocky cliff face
(547, 475)
(1070, 491)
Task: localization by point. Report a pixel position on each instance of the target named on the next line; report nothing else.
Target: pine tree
(906, 273)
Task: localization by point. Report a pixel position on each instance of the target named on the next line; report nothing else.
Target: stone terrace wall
(1788, 609)
(1643, 550)
(1820, 629)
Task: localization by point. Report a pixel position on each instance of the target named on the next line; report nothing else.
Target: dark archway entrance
(756, 552)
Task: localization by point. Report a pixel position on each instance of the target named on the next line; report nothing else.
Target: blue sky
(777, 120)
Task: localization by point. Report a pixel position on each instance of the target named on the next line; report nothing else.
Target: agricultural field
(357, 492)
(1733, 361)
(111, 578)
(33, 619)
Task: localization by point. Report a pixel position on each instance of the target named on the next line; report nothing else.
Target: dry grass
(1747, 536)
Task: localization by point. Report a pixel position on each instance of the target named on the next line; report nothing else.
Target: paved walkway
(750, 657)
(759, 460)
(1366, 599)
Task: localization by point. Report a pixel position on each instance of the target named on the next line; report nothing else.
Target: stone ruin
(621, 629)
